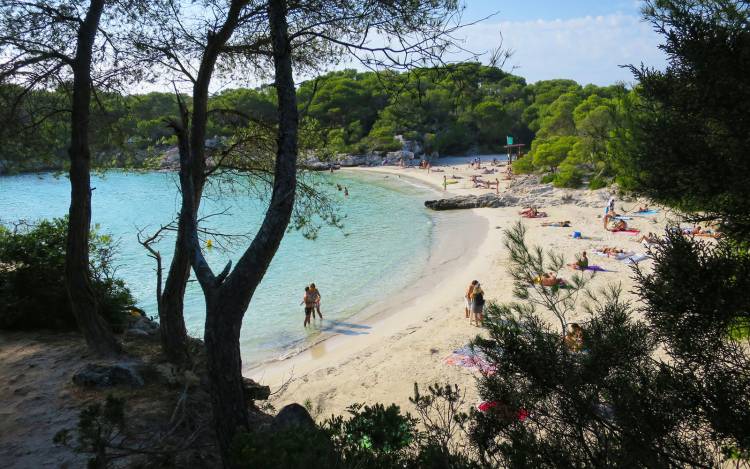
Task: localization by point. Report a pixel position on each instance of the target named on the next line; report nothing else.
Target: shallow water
(382, 247)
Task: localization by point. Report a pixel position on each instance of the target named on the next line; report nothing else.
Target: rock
(292, 416)
(473, 201)
(142, 326)
(101, 376)
(166, 373)
(255, 391)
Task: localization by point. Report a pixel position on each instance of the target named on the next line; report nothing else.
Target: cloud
(587, 49)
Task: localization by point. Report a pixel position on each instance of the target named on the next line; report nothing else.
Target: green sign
(509, 140)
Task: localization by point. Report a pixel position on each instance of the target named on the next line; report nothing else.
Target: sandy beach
(408, 338)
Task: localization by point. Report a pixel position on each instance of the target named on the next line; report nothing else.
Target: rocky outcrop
(473, 201)
(255, 391)
(102, 376)
(292, 416)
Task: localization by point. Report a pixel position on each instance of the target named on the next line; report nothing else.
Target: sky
(585, 40)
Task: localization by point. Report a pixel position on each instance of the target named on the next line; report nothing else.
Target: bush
(547, 178)
(32, 286)
(523, 165)
(597, 182)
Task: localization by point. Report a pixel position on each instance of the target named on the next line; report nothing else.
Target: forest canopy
(451, 110)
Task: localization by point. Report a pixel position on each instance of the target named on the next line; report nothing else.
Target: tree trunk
(227, 301)
(192, 152)
(96, 331)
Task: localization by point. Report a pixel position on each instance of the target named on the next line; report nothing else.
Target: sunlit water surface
(381, 248)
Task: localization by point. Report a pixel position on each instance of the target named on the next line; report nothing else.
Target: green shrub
(32, 286)
(547, 178)
(523, 165)
(598, 182)
(371, 437)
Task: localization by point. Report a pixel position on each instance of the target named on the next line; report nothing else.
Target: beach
(407, 340)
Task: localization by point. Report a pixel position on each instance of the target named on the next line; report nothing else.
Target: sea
(379, 246)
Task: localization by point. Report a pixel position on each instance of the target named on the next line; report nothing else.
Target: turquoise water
(383, 244)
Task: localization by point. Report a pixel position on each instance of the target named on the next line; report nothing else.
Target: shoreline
(410, 344)
(396, 313)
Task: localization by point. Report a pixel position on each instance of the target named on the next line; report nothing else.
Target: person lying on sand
(703, 232)
(559, 224)
(643, 209)
(649, 238)
(618, 225)
(550, 280)
(532, 213)
(610, 251)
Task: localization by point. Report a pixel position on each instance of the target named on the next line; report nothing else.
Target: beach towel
(627, 257)
(470, 358)
(486, 406)
(635, 259)
(593, 268)
(646, 213)
(622, 217)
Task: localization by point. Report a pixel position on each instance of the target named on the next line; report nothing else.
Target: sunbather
(559, 224)
(649, 238)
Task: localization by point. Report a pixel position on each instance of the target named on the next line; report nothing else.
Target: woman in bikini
(468, 296)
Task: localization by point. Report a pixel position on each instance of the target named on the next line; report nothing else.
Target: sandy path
(410, 343)
(37, 398)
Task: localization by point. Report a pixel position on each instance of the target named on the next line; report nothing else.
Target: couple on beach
(311, 300)
(474, 303)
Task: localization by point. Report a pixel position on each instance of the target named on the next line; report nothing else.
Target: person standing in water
(346, 192)
(309, 303)
(316, 296)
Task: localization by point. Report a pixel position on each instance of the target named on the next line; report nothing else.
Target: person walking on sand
(477, 305)
(468, 297)
(497, 186)
(316, 296)
(445, 182)
(309, 303)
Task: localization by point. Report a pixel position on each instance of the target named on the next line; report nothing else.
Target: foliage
(32, 290)
(696, 298)
(689, 134)
(607, 404)
(370, 437)
(99, 428)
(452, 109)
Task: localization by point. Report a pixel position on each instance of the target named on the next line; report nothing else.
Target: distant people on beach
(445, 182)
(309, 303)
(609, 212)
(468, 298)
(497, 186)
(316, 296)
(582, 263)
(477, 305)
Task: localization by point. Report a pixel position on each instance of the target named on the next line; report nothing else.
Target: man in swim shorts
(309, 303)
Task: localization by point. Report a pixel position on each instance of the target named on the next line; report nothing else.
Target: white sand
(408, 341)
